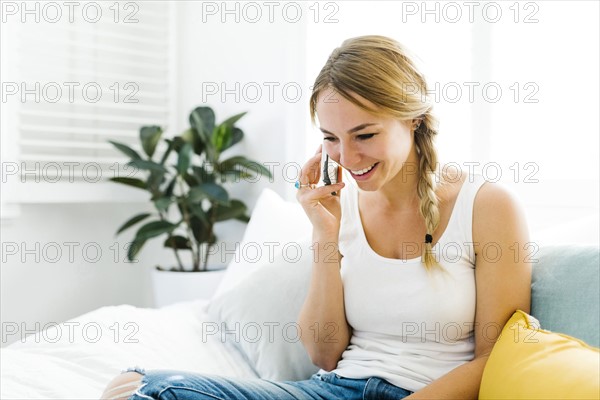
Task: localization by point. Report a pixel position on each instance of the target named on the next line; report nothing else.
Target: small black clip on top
(330, 175)
(326, 178)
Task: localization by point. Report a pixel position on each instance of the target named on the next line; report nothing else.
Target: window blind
(80, 81)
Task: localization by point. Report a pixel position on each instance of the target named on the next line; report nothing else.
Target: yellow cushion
(528, 362)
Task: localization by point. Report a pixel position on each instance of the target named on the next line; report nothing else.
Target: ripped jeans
(171, 385)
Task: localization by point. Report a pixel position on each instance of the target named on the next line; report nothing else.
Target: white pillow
(275, 224)
(258, 316)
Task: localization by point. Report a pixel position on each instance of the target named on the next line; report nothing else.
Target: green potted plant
(186, 187)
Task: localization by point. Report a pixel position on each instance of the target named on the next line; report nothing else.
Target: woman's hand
(322, 208)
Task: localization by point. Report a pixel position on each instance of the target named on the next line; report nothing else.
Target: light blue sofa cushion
(565, 291)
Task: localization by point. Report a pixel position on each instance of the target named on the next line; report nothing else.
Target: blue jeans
(170, 385)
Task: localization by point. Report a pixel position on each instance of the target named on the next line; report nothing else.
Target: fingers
(311, 171)
(340, 174)
(316, 194)
(310, 175)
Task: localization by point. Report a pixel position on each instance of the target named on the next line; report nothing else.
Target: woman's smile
(364, 174)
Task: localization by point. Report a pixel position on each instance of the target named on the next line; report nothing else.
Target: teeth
(363, 171)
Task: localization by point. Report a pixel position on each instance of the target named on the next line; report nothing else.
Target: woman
(416, 271)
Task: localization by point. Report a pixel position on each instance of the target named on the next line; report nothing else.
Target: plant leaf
(170, 187)
(203, 120)
(234, 209)
(193, 137)
(196, 209)
(212, 191)
(178, 242)
(155, 179)
(196, 194)
(128, 151)
(236, 136)
(199, 230)
(221, 136)
(138, 183)
(163, 203)
(153, 229)
(185, 158)
(179, 141)
(134, 249)
(232, 120)
(168, 151)
(243, 218)
(248, 166)
(191, 180)
(204, 173)
(213, 239)
(235, 176)
(133, 221)
(150, 136)
(147, 165)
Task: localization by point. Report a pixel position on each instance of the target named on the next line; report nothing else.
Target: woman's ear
(415, 124)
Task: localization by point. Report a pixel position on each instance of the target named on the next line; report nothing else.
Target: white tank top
(409, 328)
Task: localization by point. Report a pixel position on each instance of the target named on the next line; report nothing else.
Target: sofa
(248, 328)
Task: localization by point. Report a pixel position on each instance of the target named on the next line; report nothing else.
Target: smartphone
(329, 170)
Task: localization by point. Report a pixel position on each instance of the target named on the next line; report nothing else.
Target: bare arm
(503, 286)
(325, 331)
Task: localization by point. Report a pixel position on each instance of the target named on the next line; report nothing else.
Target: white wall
(253, 55)
(43, 281)
(42, 291)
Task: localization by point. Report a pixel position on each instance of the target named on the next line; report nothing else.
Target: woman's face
(358, 140)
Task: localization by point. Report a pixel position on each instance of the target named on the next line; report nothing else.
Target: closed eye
(365, 136)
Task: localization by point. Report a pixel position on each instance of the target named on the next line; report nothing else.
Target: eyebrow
(355, 129)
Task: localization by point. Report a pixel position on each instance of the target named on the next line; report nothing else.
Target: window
(80, 74)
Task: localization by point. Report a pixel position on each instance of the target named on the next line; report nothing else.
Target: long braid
(427, 184)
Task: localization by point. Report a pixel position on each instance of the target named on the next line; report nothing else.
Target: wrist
(326, 250)
(326, 236)
(321, 240)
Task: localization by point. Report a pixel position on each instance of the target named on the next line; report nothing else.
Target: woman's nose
(349, 157)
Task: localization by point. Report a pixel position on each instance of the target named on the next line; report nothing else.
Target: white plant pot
(171, 287)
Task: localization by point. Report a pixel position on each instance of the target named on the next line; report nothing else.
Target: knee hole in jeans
(123, 386)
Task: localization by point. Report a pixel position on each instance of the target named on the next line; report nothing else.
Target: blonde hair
(380, 70)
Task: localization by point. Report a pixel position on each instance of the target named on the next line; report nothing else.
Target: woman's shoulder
(497, 211)
(449, 183)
